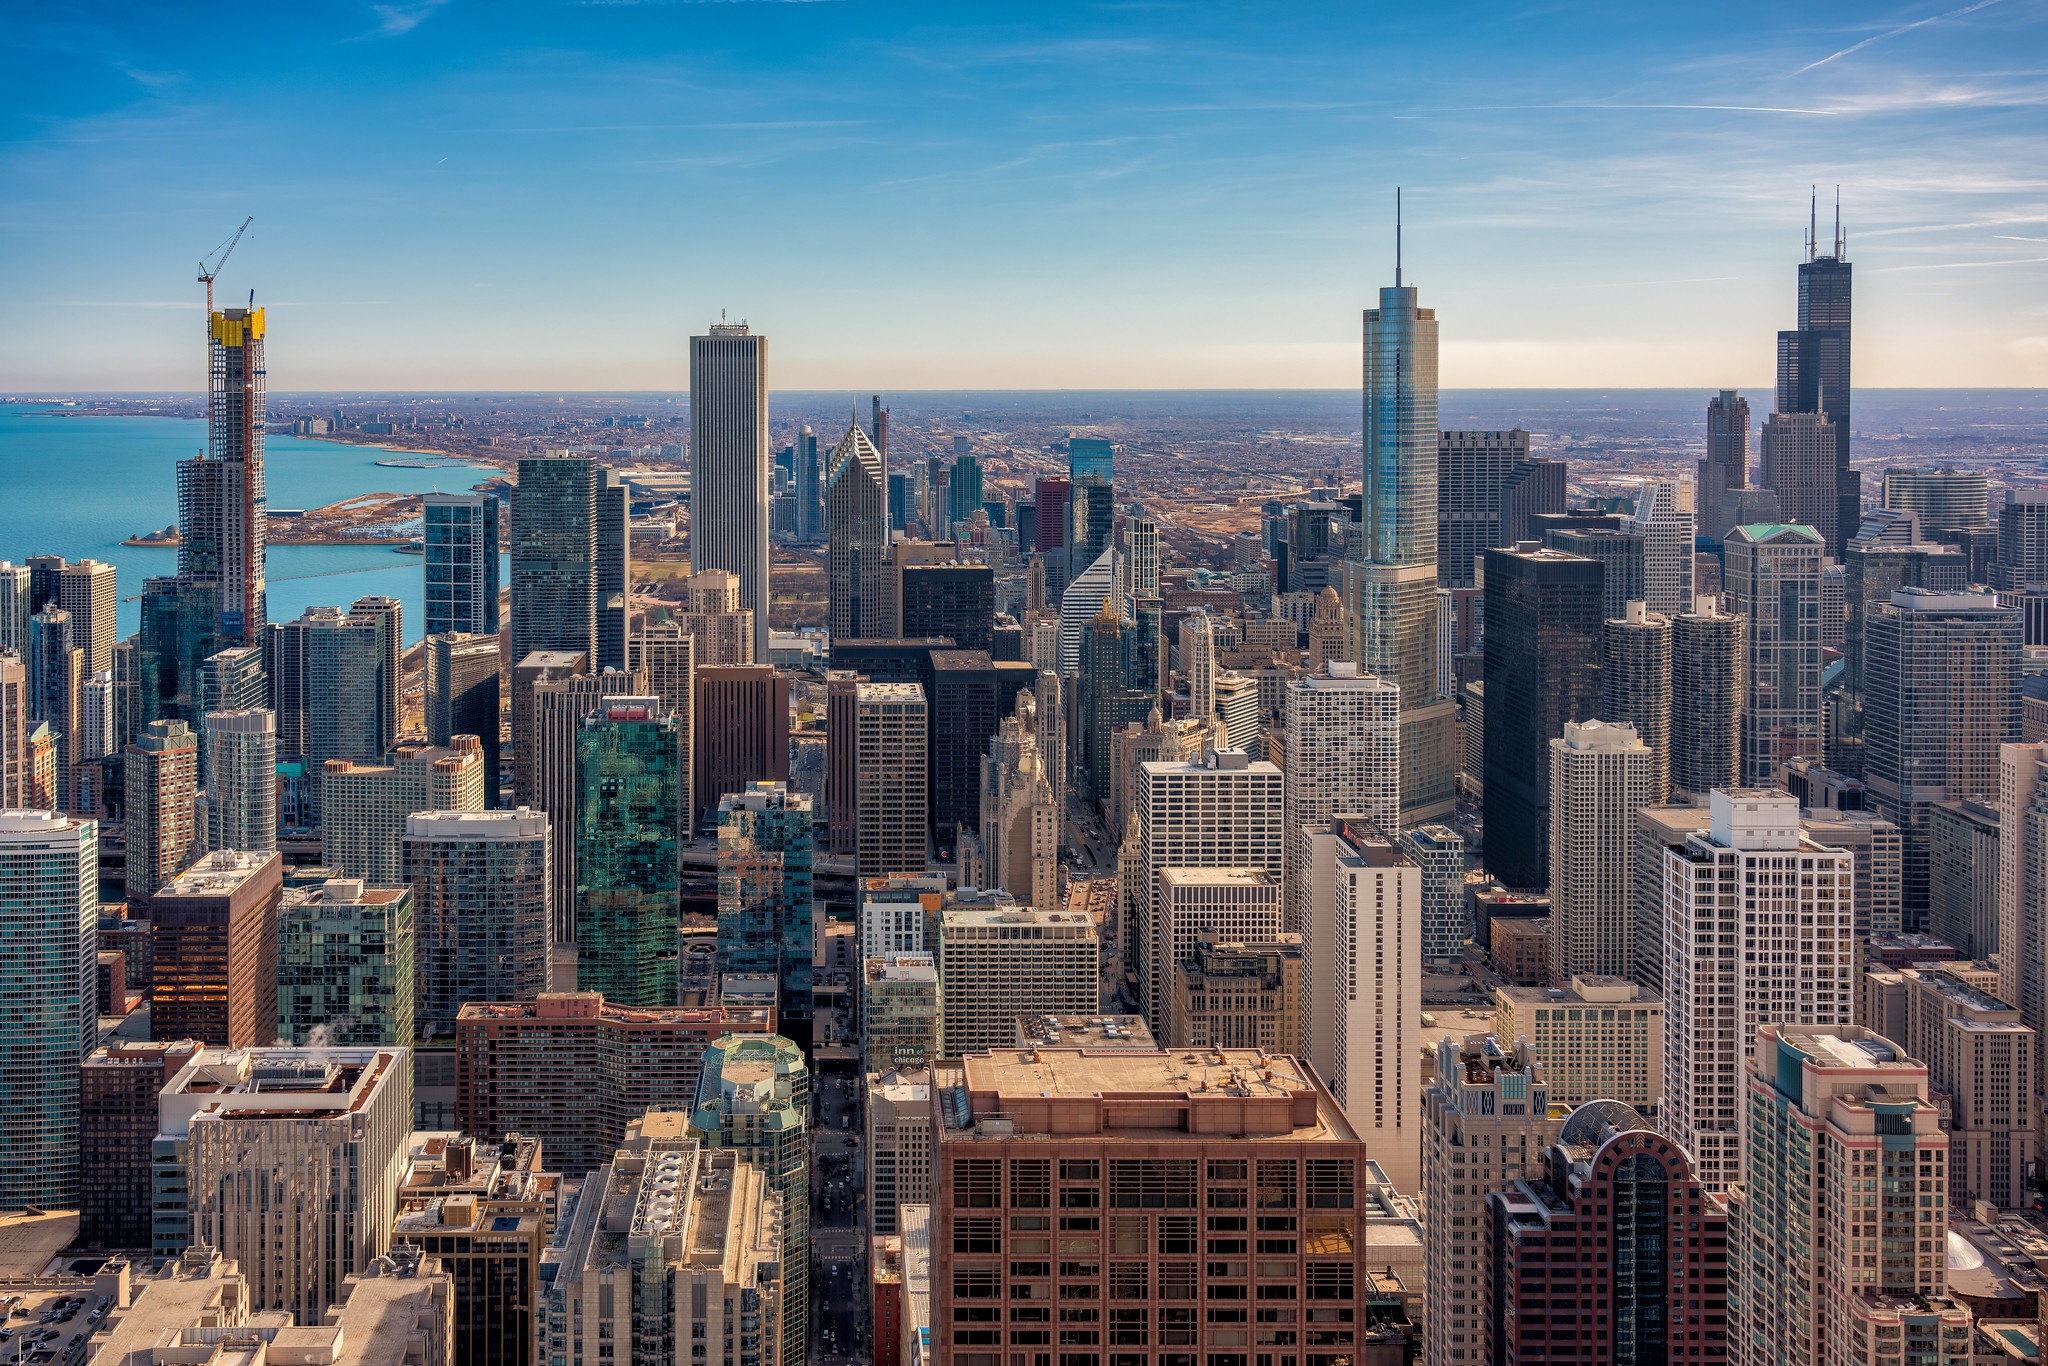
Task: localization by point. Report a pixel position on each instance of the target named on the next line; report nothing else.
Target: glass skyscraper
(628, 820)
(460, 535)
(49, 920)
(764, 892)
(1390, 590)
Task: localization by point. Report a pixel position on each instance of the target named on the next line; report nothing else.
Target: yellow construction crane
(206, 275)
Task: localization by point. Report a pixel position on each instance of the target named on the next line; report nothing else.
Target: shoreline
(141, 544)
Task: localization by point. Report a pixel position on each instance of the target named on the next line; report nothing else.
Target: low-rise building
(201, 1307)
(1521, 950)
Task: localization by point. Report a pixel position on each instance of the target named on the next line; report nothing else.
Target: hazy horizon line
(46, 396)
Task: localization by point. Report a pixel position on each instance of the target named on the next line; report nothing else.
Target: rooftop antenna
(1812, 222)
(1838, 223)
(1397, 237)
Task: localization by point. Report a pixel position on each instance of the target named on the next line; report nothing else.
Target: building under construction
(221, 499)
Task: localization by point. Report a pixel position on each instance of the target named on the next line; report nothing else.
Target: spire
(1839, 253)
(1397, 237)
(1812, 222)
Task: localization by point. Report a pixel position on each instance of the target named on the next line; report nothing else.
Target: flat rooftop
(1238, 1092)
(1085, 1031)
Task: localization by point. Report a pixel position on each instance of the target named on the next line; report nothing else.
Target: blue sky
(457, 194)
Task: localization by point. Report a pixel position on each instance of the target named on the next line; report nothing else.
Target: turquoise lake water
(79, 486)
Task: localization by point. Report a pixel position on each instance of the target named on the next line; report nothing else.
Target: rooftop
(1143, 1096)
(219, 872)
(1084, 1031)
(587, 1005)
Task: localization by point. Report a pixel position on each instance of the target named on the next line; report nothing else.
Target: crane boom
(206, 275)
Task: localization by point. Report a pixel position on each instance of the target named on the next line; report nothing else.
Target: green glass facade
(345, 970)
(754, 1097)
(628, 813)
(765, 853)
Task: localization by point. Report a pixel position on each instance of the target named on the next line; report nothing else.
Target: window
(1031, 1184)
(1329, 1183)
(977, 1184)
(977, 1234)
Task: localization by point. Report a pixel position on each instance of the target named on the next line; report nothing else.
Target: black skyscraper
(1544, 621)
(1813, 364)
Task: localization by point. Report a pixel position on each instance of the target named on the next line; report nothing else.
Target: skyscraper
(1725, 469)
(1222, 809)
(964, 493)
(49, 918)
(294, 1158)
(1773, 578)
(460, 534)
(1474, 472)
(1141, 551)
(336, 681)
(741, 732)
(162, 771)
(754, 1097)
(1714, 1007)
(1600, 776)
(1665, 521)
(1799, 463)
(15, 725)
(1814, 377)
(891, 783)
(857, 535)
(811, 484)
(86, 590)
(1833, 1110)
(1543, 650)
(364, 806)
(765, 914)
(1635, 677)
(345, 966)
(1940, 698)
(629, 818)
(1487, 1119)
(1020, 827)
(16, 607)
(1091, 501)
(1361, 955)
(1710, 670)
(554, 555)
(1946, 499)
(241, 785)
(462, 697)
(222, 503)
(729, 464)
(481, 916)
(614, 572)
(1342, 755)
(1391, 591)
(214, 932)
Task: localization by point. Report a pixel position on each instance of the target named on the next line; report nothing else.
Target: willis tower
(1813, 365)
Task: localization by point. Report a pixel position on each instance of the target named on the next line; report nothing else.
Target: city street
(839, 1307)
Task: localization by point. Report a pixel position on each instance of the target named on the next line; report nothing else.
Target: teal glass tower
(459, 534)
(754, 1097)
(49, 920)
(628, 815)
(764, 894)
(1389, 586)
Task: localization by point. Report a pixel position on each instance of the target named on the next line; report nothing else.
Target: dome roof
(1598, 1120)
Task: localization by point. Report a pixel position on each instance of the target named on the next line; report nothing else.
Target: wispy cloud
(396, 20)
(1707, 108)
(1964, 265)
(1895, 32)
